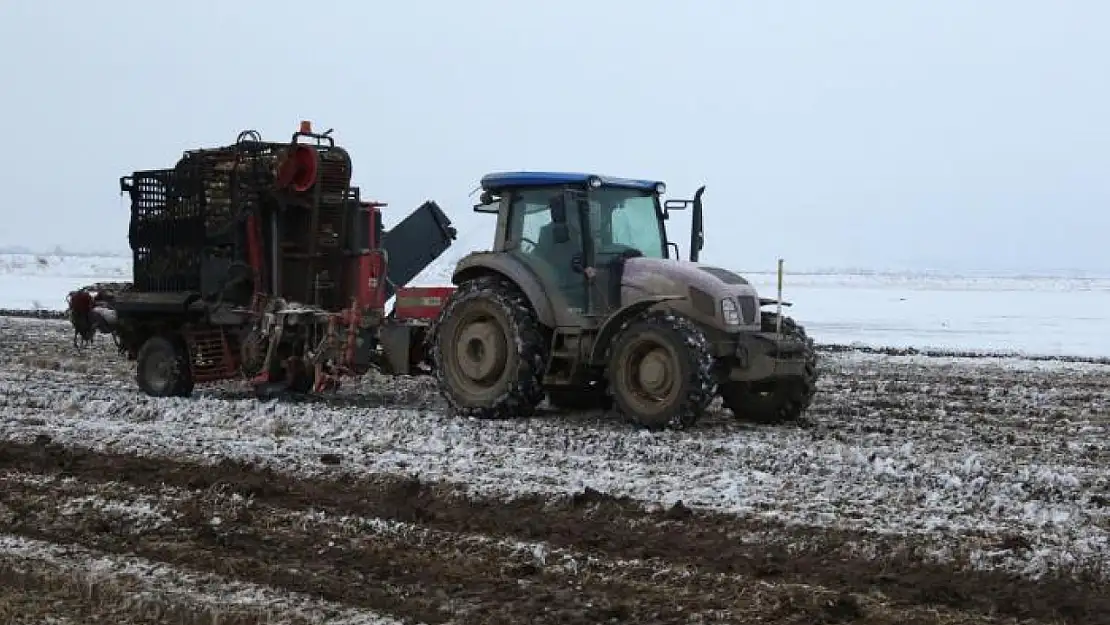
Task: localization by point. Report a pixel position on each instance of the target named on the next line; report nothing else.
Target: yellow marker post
(778, 306)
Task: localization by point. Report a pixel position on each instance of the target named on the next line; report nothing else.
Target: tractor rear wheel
(489, 352)
(661, 371)
(780, 400)
(162, 368)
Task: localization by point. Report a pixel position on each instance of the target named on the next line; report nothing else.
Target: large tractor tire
(661, 371)
(162, 368)
(780, 400)
(488, 351)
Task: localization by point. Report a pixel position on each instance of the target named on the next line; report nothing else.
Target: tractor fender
(512, 269)
(616, 321)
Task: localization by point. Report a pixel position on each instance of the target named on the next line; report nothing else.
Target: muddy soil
(96, 535)
(629, 564)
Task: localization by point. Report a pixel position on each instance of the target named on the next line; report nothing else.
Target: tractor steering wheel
(526, 239)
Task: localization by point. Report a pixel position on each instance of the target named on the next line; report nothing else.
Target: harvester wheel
(661, 371)
(780, 400)
(163, 368)
(488, 351)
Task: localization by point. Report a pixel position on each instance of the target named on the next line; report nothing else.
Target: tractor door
(549, 239)
(624, 223)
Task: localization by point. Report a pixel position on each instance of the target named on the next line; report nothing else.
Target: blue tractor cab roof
(499, 181)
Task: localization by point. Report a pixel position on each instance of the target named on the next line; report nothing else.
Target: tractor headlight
(595, 182)
(660, 188)
(730, 312)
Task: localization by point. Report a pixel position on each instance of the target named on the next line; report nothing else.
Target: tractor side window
(529, 218)
(531, 228)
(534, 219)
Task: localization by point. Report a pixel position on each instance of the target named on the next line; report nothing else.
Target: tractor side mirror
(674, 205)
(487, 203)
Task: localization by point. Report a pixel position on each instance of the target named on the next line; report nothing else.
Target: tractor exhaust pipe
(697, 234)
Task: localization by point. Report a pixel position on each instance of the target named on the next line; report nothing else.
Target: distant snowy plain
(1045, 314)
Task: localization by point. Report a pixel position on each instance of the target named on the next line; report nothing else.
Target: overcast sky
(915, 133)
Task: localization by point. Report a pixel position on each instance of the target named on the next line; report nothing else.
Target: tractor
(584, 301)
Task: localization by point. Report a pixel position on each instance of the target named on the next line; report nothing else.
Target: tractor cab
(576, 229)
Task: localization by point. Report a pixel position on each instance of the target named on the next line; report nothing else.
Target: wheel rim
(479, 353)
(161, 372)
(650, 375)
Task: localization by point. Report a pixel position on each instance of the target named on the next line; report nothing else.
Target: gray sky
(879, 134)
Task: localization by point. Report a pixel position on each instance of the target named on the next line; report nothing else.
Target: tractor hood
(705, 286)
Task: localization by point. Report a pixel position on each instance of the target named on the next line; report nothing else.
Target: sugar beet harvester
(260, 260)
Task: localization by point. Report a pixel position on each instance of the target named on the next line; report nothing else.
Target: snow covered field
(921, 489)
(29, 281)
(1062, 314)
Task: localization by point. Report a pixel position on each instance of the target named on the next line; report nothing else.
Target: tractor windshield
(626, 218)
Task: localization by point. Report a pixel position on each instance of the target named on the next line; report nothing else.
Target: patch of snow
(29, 281)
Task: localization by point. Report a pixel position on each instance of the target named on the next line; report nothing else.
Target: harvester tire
(488, 351)
(661, 371)
(162, 368)
(780, 400)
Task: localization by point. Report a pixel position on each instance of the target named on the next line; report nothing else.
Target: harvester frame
(259, 260)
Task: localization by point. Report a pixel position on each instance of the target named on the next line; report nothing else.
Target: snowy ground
(921, 489)
(977, 483)
(29, 282)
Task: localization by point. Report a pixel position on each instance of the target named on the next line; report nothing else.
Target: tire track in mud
(600, 526)
(433, 581)
(42, 582)
(29, 594)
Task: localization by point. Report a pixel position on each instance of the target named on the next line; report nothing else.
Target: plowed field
(922, 489)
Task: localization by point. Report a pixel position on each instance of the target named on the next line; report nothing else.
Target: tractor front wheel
(779, 400)
(661, 371)
(162, 368)
(489, 352)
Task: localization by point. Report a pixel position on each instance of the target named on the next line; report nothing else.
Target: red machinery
(260, 260)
